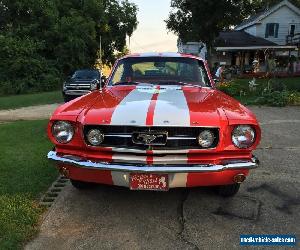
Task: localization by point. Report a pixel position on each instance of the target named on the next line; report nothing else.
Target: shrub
(272, 92)
(275, 98)
(276, 85)
(23, 70)
(293, 98)
(231, 89)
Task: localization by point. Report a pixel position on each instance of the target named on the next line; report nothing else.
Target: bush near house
(277, 92)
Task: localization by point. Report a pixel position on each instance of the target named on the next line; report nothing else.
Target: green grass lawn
(18, 101)
(25, 175)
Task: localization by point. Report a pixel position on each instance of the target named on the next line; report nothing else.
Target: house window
(272, 30)
(292, 30)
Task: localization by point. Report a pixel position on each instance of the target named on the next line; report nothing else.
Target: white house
(272, 32)
(274, 24)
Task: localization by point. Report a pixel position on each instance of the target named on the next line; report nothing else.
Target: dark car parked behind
(82, 82)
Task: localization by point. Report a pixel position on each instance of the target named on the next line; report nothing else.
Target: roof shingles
(240, 39)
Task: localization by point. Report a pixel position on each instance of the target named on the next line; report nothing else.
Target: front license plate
(157, 182)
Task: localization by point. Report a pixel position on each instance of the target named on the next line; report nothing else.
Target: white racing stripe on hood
(171, 108)
(133, 109)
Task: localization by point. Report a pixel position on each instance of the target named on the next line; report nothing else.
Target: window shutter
(267, 30)
(276, 30)
(292, 29)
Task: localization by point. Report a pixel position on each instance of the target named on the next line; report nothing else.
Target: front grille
(178, 137)
(78, 85)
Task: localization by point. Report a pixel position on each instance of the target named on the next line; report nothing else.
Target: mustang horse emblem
(148, 138)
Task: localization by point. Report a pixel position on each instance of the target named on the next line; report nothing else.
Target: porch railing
(293, 39)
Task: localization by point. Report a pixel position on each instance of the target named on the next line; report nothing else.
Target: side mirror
(103, 80)
(95, 85)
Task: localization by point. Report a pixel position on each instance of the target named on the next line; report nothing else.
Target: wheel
(81, 184)
(228, 190)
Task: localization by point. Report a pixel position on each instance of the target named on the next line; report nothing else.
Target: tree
(194, 20)
(121, 23)
(203, 20)
(41, 41)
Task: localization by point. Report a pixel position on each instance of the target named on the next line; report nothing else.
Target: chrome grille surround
(177, 137)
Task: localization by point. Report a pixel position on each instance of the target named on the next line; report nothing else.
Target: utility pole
(100, 52)
(129, 40)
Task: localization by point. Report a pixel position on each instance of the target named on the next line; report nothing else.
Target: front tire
(228, 190)
(81, 184)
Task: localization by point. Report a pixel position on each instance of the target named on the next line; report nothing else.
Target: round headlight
(94, 84)
(243, 136)
(206, 138)
(65, 86)
(95, 137)
(63, 131)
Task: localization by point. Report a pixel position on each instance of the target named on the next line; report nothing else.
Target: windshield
(160, 70)
(86, 74)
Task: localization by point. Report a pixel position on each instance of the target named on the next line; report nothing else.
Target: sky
(151, 34)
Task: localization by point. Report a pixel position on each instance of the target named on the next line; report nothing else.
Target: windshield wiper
(132, 83)
(178, 83)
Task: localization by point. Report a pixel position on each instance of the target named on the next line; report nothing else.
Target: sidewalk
(28, 113)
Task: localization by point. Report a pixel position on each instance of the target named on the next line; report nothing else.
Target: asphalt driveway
(116, 218)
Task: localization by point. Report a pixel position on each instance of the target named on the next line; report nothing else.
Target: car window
(86, 74)
(159, 70)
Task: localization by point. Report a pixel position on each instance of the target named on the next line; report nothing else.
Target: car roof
(162, 54)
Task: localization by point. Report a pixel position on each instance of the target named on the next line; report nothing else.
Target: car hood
(158, 106)
(81, 80)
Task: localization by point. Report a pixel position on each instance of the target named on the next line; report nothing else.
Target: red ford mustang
(158, 123)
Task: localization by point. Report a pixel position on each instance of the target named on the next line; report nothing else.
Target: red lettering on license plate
(157, 182)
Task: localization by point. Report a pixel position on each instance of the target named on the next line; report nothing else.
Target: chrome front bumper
(139, 168)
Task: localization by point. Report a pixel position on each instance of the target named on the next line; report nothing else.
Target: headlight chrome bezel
(202, 135)
(90, 141)
(64, 86)
(94, 85)
(69, 130)
(238, 132)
